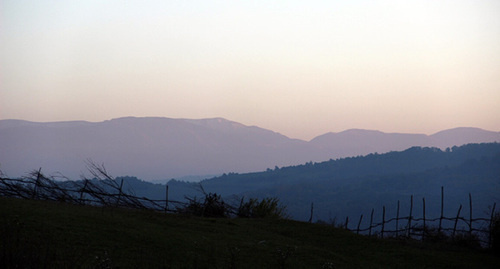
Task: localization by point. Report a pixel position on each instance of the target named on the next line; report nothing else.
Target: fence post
(119, 194)
(38, 174)
(490, 243)
(371, 222)
(383, 222)
(470, 214)
(409, 218)
(442, 206)
(166, 198)
(359, 223)
(83, 190)
(312, 211)
(423, 231)
(456, 220)
(346, 221)
(397, 220)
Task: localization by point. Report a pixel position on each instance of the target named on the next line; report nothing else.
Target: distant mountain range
(164, 148)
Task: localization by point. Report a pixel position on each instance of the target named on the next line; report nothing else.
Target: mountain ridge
(234, 123)
(156, 148)
(347, 186)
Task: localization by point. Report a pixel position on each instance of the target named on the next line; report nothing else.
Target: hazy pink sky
(302, 68)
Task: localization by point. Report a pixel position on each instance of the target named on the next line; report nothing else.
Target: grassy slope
(42, 234)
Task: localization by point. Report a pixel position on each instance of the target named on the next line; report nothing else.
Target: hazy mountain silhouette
(152, 148)
(162, 148)
(361, 142)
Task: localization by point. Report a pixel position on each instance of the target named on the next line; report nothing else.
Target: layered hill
(164, 148)
(349, 187)
(352, 186)
(361, 142)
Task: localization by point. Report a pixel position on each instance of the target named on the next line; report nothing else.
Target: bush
(467, 240)
(212, 206)
(265, 208)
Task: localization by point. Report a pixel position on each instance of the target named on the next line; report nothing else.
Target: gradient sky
(301, 68)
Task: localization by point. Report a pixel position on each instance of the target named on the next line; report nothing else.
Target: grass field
(42, 234)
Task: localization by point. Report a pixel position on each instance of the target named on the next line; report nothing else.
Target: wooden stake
(383, 222)
(166, 198)
(423, 231)
(442, 206)
(409, 218)
(490, 242)
(359, 223)
(84, 189)
(37, 182)
(470, 214)
(397, 220)
(371, 222)
(456, 220)
(312, 211)
(119, 194)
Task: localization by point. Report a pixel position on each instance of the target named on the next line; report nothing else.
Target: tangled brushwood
(104, 190)
(212, 205)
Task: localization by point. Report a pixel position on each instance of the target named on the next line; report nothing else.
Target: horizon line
(228, 120)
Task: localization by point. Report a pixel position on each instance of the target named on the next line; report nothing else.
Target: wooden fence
(109, 193)
(422, 227)
(105, 191)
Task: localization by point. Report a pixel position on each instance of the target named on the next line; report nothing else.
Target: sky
(301, 68)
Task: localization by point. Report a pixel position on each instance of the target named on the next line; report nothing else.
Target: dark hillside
(412, 160)
(351, 186)
(359, 195)
(41, 234)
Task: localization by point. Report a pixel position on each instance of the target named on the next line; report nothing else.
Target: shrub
(465, 239)
(265, 208)
(211, 206)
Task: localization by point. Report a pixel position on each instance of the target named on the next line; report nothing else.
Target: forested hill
(412, 160)
(353, 185)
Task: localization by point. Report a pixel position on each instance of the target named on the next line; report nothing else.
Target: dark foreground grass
(41, 234)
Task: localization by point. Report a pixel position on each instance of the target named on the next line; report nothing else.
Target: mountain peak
(159, 147)
(463, 130)
(355, 131)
